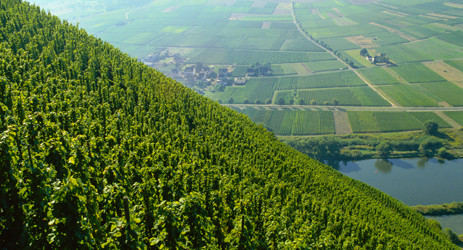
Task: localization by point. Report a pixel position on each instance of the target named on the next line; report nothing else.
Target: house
(223, 74)
(189, 71)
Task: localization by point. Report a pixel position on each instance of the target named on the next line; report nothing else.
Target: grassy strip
(447, 144)
(439, 209)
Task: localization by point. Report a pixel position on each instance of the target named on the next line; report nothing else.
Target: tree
(281, 101)
(212, 75)
(231, 100)
(335, 102)
(364, 52)
(384, 149)
(431, 128)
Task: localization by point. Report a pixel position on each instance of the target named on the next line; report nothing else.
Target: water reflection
(401, 164)
(383, 166)
(344, 166)
(422, 162)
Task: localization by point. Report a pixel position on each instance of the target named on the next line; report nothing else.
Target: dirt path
(383, 95)
(449, 120)
(396, 76)
(341, 123)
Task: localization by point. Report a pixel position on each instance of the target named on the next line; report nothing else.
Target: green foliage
(384, 150)
(441, 209)
(430, 128)
(99, 151)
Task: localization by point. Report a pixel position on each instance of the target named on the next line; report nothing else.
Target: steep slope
(97, 150)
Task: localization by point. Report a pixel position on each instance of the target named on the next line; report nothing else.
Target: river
(414, 181)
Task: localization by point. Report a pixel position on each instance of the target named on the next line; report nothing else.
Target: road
(339, 59)
(345, 108)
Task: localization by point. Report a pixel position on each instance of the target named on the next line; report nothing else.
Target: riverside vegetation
(99, 151)
(445, 143)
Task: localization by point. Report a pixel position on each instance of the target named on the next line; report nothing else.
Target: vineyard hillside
(99, 151)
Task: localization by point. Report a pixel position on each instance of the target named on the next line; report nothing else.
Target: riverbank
(439, 209)
(446, 144)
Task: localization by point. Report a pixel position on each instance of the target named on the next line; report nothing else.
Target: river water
(414, 181)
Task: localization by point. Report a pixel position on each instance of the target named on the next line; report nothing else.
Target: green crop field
(456, 116)
(358, 96)
(293, 122)
(240, 70)
(300, 45)
(321, 66)
(424, 117)
(456, 64)
(255, 90)
(339, 43)
(363, 122)
(244, 57)
(409, 96)
(417, 72)
(378, 76)
(448, 92)
(323, 80)
(378, 121)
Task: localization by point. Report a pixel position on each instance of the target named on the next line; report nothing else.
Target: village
(201, 77)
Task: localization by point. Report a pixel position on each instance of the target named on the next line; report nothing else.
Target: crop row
(377, 121)
(293, 122)
(335, 79)
(358, 96)
(417, 72)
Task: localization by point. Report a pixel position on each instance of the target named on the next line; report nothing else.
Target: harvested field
(363, 42)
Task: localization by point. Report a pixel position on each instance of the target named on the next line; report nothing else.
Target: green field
(358, 96)
(377, 121)
(324, 80)
(244, 57)
(255, 90)
(417, 72)
(321, 66)
(378, 76)
(448, 92)
(293, 122)
(456, 64)
(409, 96)
(456, 116)
(221, 33)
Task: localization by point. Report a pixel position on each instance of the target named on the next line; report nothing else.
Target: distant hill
(99, 151)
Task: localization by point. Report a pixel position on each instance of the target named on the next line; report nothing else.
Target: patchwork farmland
(380, 66)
